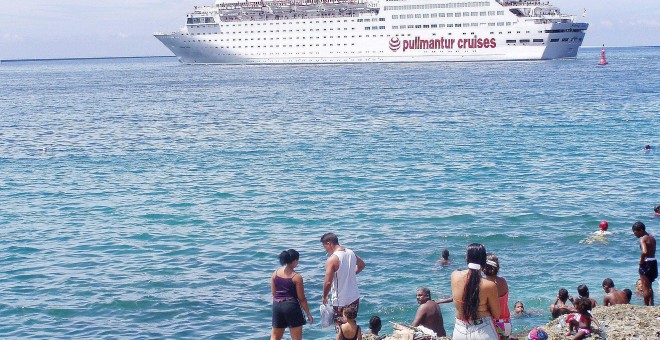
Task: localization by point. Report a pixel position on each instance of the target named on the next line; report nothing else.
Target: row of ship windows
(366, 36)
(291, 38)
(332, 52)
(448, 15)
(523, 41)
(271, 23)
(433, 6)
(450, 25)
(473, 24)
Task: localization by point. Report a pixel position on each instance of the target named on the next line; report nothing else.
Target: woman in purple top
(288, 297)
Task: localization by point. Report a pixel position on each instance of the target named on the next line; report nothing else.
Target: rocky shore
(620, 322)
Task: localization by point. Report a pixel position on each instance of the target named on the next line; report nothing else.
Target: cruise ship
(356, 31)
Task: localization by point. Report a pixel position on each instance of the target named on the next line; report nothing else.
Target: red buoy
(602, 61)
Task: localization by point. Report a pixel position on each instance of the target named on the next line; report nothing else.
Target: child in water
(349, 330)
(580, 321)
(518, 308)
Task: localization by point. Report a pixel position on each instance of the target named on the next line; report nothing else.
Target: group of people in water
(479, 295)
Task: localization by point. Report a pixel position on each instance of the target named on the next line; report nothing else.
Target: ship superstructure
(343, 31)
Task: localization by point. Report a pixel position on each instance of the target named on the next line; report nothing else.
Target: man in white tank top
(341, 269)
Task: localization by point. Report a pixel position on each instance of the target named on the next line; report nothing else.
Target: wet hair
(628, 293)
(476, 253)
(375, 323)
(563, 294)
(329, 237)
(518, 302)
(350, 313)
(583, 290)
(608, 282)
(445, 253)
(582, 305)
(425, 291)
(647, 147)
(490, 269)
(638, 226)
(288, 256)
(657, 209)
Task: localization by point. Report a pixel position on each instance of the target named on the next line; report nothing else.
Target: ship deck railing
(509, 3)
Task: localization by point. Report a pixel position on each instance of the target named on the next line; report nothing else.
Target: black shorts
(287, 314)
(649, 269)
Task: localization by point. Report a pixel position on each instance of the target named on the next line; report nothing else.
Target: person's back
(430, 317)
(487, 290)
(613, 296)
(475, 314)
(346, 288)
(583, 292)
(349, 330)
(560, 306)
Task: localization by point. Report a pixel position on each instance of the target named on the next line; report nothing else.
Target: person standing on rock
(341, 271)
(648, 266)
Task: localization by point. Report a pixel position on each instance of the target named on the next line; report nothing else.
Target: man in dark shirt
(428, 313)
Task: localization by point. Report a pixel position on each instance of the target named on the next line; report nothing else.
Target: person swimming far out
(603, 226)
(598, 235)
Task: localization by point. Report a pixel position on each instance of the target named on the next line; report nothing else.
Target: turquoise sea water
(142, 198)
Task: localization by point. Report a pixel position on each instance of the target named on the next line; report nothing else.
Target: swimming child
(657, 210)
(445, 257)
(580, 322)
(518, 308)
(349, 330)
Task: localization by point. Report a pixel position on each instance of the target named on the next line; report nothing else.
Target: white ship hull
(385, 34)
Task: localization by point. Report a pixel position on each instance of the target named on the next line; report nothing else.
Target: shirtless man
(428, 313)
(613, 296)
(648, 266)
(560, 306)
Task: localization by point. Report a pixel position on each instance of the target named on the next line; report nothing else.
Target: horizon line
(84, 58)
(173, 56)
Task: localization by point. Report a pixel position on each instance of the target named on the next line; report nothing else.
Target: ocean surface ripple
(146, 199)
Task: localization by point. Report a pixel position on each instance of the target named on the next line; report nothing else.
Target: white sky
(118, 28)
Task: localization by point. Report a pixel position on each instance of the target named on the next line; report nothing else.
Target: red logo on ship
(442, 43)
(395, 44)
